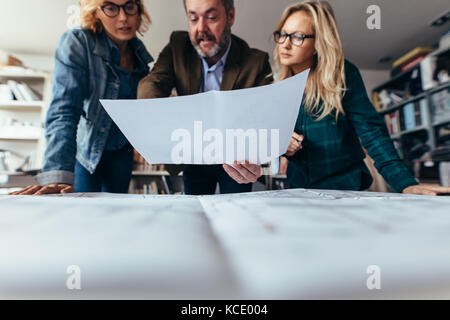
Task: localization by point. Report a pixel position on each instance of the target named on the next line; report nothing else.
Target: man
(208, 58)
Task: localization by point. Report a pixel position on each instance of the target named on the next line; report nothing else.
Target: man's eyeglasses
(296, 38)
(131, 8)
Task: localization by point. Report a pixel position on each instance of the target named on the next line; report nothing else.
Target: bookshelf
(22, 136)
(416, 109)
(428, 121)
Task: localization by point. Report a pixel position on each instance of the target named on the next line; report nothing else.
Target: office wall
(372, 78)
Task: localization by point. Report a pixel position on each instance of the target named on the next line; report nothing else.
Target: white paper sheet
(193, 129)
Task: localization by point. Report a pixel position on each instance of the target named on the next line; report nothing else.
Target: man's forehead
(203, 6)
(210, 10)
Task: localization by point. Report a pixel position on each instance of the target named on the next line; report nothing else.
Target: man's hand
(430, 190)
(295, 144)
(244, 172)
(48, 189)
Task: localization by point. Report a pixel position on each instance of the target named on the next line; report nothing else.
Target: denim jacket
(77, 126)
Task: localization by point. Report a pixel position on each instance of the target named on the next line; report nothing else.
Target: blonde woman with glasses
(335, 115)
(103, 59)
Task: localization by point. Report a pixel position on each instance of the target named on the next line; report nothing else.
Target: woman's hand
(244, 172)
(295, 144)
(283, 165)
(431, 190)
(48, 189)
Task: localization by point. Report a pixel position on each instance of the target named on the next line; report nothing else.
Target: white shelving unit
(24, 141)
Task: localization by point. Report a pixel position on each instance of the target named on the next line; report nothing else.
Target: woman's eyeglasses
(131, 8)
(296, 38)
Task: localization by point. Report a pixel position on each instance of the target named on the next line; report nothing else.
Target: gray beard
(218, 47)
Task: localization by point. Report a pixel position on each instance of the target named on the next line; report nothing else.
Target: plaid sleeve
(372, 130)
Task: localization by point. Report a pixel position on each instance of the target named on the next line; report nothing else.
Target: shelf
(22, 105)
(398, 135)
(441, 122)
(394, 79)
(24, 75)
(12, 173)
(19, 138)
(399, 76)
(415, 98)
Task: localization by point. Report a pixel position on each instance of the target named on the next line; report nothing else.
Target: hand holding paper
(243, 172)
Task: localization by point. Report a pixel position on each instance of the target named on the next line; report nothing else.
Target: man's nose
(202, 24)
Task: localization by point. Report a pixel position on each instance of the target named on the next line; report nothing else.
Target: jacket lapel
(101, 47)
(232, 68)
(194, 74)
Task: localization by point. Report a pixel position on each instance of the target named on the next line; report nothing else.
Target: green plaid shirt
(332, 157)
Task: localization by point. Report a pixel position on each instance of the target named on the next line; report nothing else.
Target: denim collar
(102, 48)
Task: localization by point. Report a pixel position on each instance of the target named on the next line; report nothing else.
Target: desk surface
(265, 245)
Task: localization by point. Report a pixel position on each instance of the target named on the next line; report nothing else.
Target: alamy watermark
(374, 20)
(74, 16)
(374, 280)
(73, 281)
(213, 146)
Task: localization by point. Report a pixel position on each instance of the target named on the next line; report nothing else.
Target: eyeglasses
(112, 10)
(296, 38)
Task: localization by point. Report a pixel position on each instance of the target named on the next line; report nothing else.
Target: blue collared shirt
(212, 76)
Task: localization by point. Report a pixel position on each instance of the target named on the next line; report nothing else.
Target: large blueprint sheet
(263, 245)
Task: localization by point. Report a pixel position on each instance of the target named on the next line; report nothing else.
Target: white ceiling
(34, 27)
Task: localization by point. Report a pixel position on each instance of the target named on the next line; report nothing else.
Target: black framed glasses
(131, 8)
(296, 38)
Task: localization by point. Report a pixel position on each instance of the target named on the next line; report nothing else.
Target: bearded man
(209, 57)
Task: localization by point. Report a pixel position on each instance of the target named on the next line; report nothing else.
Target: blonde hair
(326, 79)
(89, 20)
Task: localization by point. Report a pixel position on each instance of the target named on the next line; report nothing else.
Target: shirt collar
(220, 63)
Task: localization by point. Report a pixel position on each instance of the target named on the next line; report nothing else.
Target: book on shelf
(409, 116)
(390, 97)
(427, 68)
(27, 92)
(413, 62)
(22, 92)
(408, 65)
(423, 109)
(393, 122)
(6, 93)
(408, 57)
(14, 85)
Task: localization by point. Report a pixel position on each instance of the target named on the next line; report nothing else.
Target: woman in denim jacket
(86, 152)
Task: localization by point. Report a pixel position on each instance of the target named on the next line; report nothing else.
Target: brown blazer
(179, 66)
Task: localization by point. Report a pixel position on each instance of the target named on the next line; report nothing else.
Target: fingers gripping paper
(215, 127)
